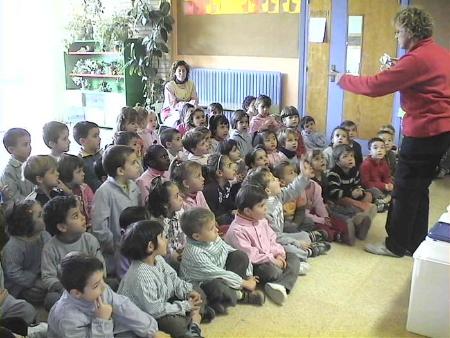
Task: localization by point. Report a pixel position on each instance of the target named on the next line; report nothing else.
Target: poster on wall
(223, 7)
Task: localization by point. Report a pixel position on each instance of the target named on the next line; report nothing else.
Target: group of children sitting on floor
(167, 227)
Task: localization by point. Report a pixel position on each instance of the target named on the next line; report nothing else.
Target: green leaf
(162, 47)
(164, 8)
(163, 34)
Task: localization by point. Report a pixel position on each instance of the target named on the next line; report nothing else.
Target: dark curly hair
(177, 64)
(55, 212)
(416, 21)
(19, 219)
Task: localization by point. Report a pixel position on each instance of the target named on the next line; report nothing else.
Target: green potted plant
(113, 32)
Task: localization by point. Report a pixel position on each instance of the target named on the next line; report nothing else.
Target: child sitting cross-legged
(71, 173)
(250, 232)
(154, 286)
(220, 269)
(65, 221)
(21, 255)
(263, 120)
(42, 170)
(344, 188)
(313, 139)
(197, 145)
(166, 205)
(89, 308)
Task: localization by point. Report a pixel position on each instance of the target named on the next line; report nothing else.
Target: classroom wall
(270, 43)
(440, 11)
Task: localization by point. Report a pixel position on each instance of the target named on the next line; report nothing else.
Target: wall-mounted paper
(317, 29)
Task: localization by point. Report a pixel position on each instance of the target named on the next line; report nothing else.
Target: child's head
(339, 135)
(251, 202)
(215, 108)
(388, 127)
(99, 170)
(146, 119)
(308, 124)
(63, 217)
(196, 118)
(221, 167)
(42, 171)
(219, 127)
(344, 156)
(121, 162)
(240, 121)
(82, 276)
(186, 111)
(387, 137)
(156, 157)
(152, 121)
(351, 128)
(87, 135)
(128, 120)
(288, 139)
(249, 104)
(164, 198)
(56, 136)
(25, 219)
(187, 175)
(285, 172)
(264, 179)
(377, 148)
(131, 215)
(257, 158)
(229, 147)
(17, 142)
(196, 143)
(267, 139)
(71, 170)
(199, 224)
(317, 160)
(171, 139)
(129, 138)
(144, 238)
(263, 103)
(290, 117)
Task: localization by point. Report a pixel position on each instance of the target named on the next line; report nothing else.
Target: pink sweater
(149, 137)
(259, 123)
(144, 181)
(196, 200)
(315, 207)
(255, 238)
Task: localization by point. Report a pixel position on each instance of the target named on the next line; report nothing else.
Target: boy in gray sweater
(89, 308)
(65, 221)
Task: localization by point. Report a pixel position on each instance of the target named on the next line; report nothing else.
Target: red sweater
(375, 173)
(423, 78)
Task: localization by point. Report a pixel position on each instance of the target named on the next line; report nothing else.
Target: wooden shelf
(95, 53)
(98, 76)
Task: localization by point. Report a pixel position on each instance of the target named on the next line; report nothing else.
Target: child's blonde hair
(38, 165)
(284, 134)
(127, 115)
(181, 171)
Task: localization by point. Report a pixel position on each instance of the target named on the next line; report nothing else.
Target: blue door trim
(303, 33)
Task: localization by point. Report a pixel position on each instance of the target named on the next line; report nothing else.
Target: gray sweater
(22, 261)
(55, 250)
(151, 287)
(109, 201)
(74, 317)
(244, 141)
(17, 185)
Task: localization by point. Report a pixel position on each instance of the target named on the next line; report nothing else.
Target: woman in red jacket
(422, 76)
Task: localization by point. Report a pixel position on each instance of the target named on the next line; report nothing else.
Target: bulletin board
(265, 34)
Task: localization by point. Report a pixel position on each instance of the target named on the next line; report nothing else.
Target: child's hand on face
(104, 310)
(250, 284)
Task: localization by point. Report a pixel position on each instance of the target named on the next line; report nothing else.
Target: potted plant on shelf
(112, 32)
(153, 26)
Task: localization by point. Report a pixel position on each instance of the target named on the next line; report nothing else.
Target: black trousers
(407, 219)
(216, 291)
(269, 272)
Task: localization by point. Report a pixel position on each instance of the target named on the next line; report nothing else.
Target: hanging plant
(147, 52)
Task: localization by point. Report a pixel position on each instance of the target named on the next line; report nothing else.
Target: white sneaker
(276, 292)
(38, 331)
(304, 268)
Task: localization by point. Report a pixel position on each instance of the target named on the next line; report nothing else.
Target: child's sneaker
(276, 292)
(255, 297)
(363, 228)
(195, 331)
(318, 235)
(320, 248)
(208, 315)
(303, 269)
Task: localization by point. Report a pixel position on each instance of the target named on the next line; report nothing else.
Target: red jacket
(375, 173)
(423, 78)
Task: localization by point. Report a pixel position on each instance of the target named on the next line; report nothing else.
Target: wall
(270, 43)
(440, 11)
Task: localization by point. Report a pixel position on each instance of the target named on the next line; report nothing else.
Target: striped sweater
(205, 261)
(341, 184)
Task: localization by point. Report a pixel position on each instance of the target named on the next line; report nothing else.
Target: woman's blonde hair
(416, 21)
